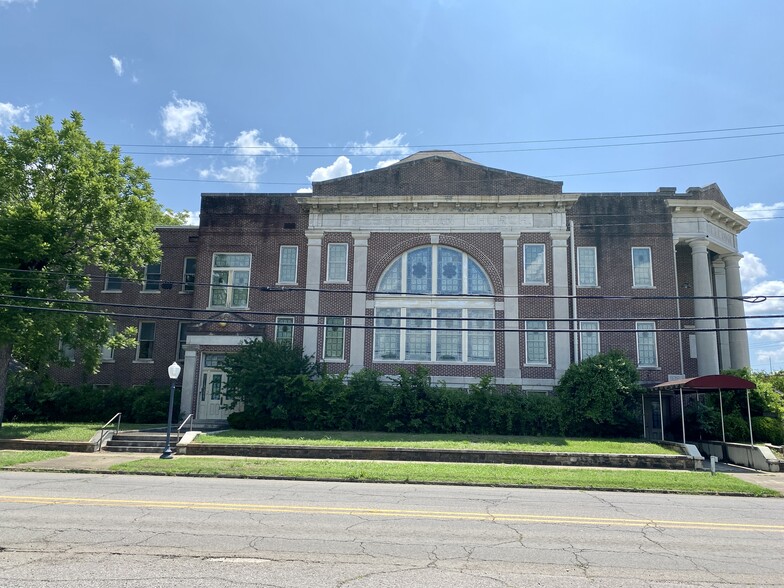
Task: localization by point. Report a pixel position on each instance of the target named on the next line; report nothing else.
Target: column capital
(515, 237)
(360, 238)
(698, 245)
(559, 238)
(718, 265)
(731, 259)
(314, 235)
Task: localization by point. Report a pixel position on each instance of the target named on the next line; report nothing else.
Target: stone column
(720, 286)
(739, 339)
(511, 306)
(312, 283)
(358, 301)
(561, 305)
(707, 349)
(189, 384)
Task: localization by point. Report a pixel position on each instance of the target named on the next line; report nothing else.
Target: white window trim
(278, 321)
(180, 325)
(296, 263)
(139, 340)
(229, 287)
(584, 330)
(106, 289)
(144, 289)
(595, 269)
(344, 278)
(110, 359)
(544, 265)
(655, 343)
(325, 328)
(650, 270)
(184, 273)
(528, 331)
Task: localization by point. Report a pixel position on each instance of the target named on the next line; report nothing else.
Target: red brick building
(440, 261)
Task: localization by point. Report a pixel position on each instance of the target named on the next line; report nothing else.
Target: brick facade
(442, 200)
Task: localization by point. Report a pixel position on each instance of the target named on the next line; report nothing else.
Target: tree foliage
(66, 203)
(600, 397)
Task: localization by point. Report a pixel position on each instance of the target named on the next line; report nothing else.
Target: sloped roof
(707, 383)
(436, 173)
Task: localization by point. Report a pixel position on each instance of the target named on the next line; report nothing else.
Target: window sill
(594, 286)
(643, 287)
(227, 308)
(186, 292)
(535, 283)
(107, 361)
(336, 282)
(649, 367)
(333, 360)
(286, 283)
(143, 361)
(111, 291)
(149, 292)
(537, 365)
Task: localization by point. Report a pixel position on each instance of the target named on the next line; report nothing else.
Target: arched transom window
(423, 311)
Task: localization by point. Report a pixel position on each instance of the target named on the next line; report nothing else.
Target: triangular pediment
(436, 173)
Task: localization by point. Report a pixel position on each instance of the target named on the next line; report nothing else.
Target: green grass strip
(467, 474)
(10, 457)
(69, 432)
(437, 441)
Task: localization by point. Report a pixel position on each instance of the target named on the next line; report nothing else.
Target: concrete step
(114, 443)
(124, 449)
(141, 437)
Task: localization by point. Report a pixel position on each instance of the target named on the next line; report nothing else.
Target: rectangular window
(107, 351)
(533, 264)
(586, 266)
(387, 334)
(287, 268)
(417, 338)
(646, 344)
(152, 277)
(642, 271)
(67, 351)
(189, 274)
(230, 280)
(284, 330)
(113, 283)
(145, 341)
(337, 262)
(449, 343)
(334, 335)
(181, 338)
(480, 341)
(536, 342)
(589, 339)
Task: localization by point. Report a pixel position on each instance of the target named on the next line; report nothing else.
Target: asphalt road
(72, 530)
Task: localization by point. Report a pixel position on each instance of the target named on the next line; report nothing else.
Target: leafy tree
(600, 396)
(66, 203)
(270, 380)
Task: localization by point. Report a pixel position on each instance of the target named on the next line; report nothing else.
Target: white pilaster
(511, 306)
(358, 301)
(561, 305)
(188, 380)
(312, 283)
(720, 286)
(707, 349)
(739, 339)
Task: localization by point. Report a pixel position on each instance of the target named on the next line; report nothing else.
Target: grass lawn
(467, 474)
(9, 458)
(71, 432)
(437, 441)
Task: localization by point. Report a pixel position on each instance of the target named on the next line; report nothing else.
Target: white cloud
(339, 168)
(386, 163)
(134, 79)
(9, 2)
(170, 161)
(117, 64)
(11, 115)
(193, 217)
(251, 154)
(766, 293)
(304, 190)
(752, 270)
(758, 211)
(391, 146)
(186, 120)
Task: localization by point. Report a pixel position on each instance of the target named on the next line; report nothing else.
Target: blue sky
(263, 96)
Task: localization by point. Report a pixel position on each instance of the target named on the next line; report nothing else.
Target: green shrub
(768, 430)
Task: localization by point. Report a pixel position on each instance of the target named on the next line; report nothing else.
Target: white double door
(212, 395)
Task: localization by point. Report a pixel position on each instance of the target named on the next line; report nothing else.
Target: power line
(488, 143)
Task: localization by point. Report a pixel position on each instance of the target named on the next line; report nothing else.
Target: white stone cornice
(709, 210)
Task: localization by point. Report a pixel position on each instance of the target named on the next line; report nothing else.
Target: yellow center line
(394, 513)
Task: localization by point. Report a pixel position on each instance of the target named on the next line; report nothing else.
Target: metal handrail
(179, 429)
(118, 416)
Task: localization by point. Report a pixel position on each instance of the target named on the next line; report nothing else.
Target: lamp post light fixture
(174, 373)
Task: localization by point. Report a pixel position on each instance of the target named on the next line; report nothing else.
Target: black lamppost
(174, 373)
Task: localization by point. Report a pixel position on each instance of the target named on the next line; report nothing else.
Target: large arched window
(424, 315)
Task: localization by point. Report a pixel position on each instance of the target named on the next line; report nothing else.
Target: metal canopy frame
(707, 384)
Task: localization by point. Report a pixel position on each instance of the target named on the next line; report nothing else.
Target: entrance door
(212, 396)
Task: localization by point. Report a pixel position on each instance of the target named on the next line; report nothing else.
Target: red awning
(707, 383)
